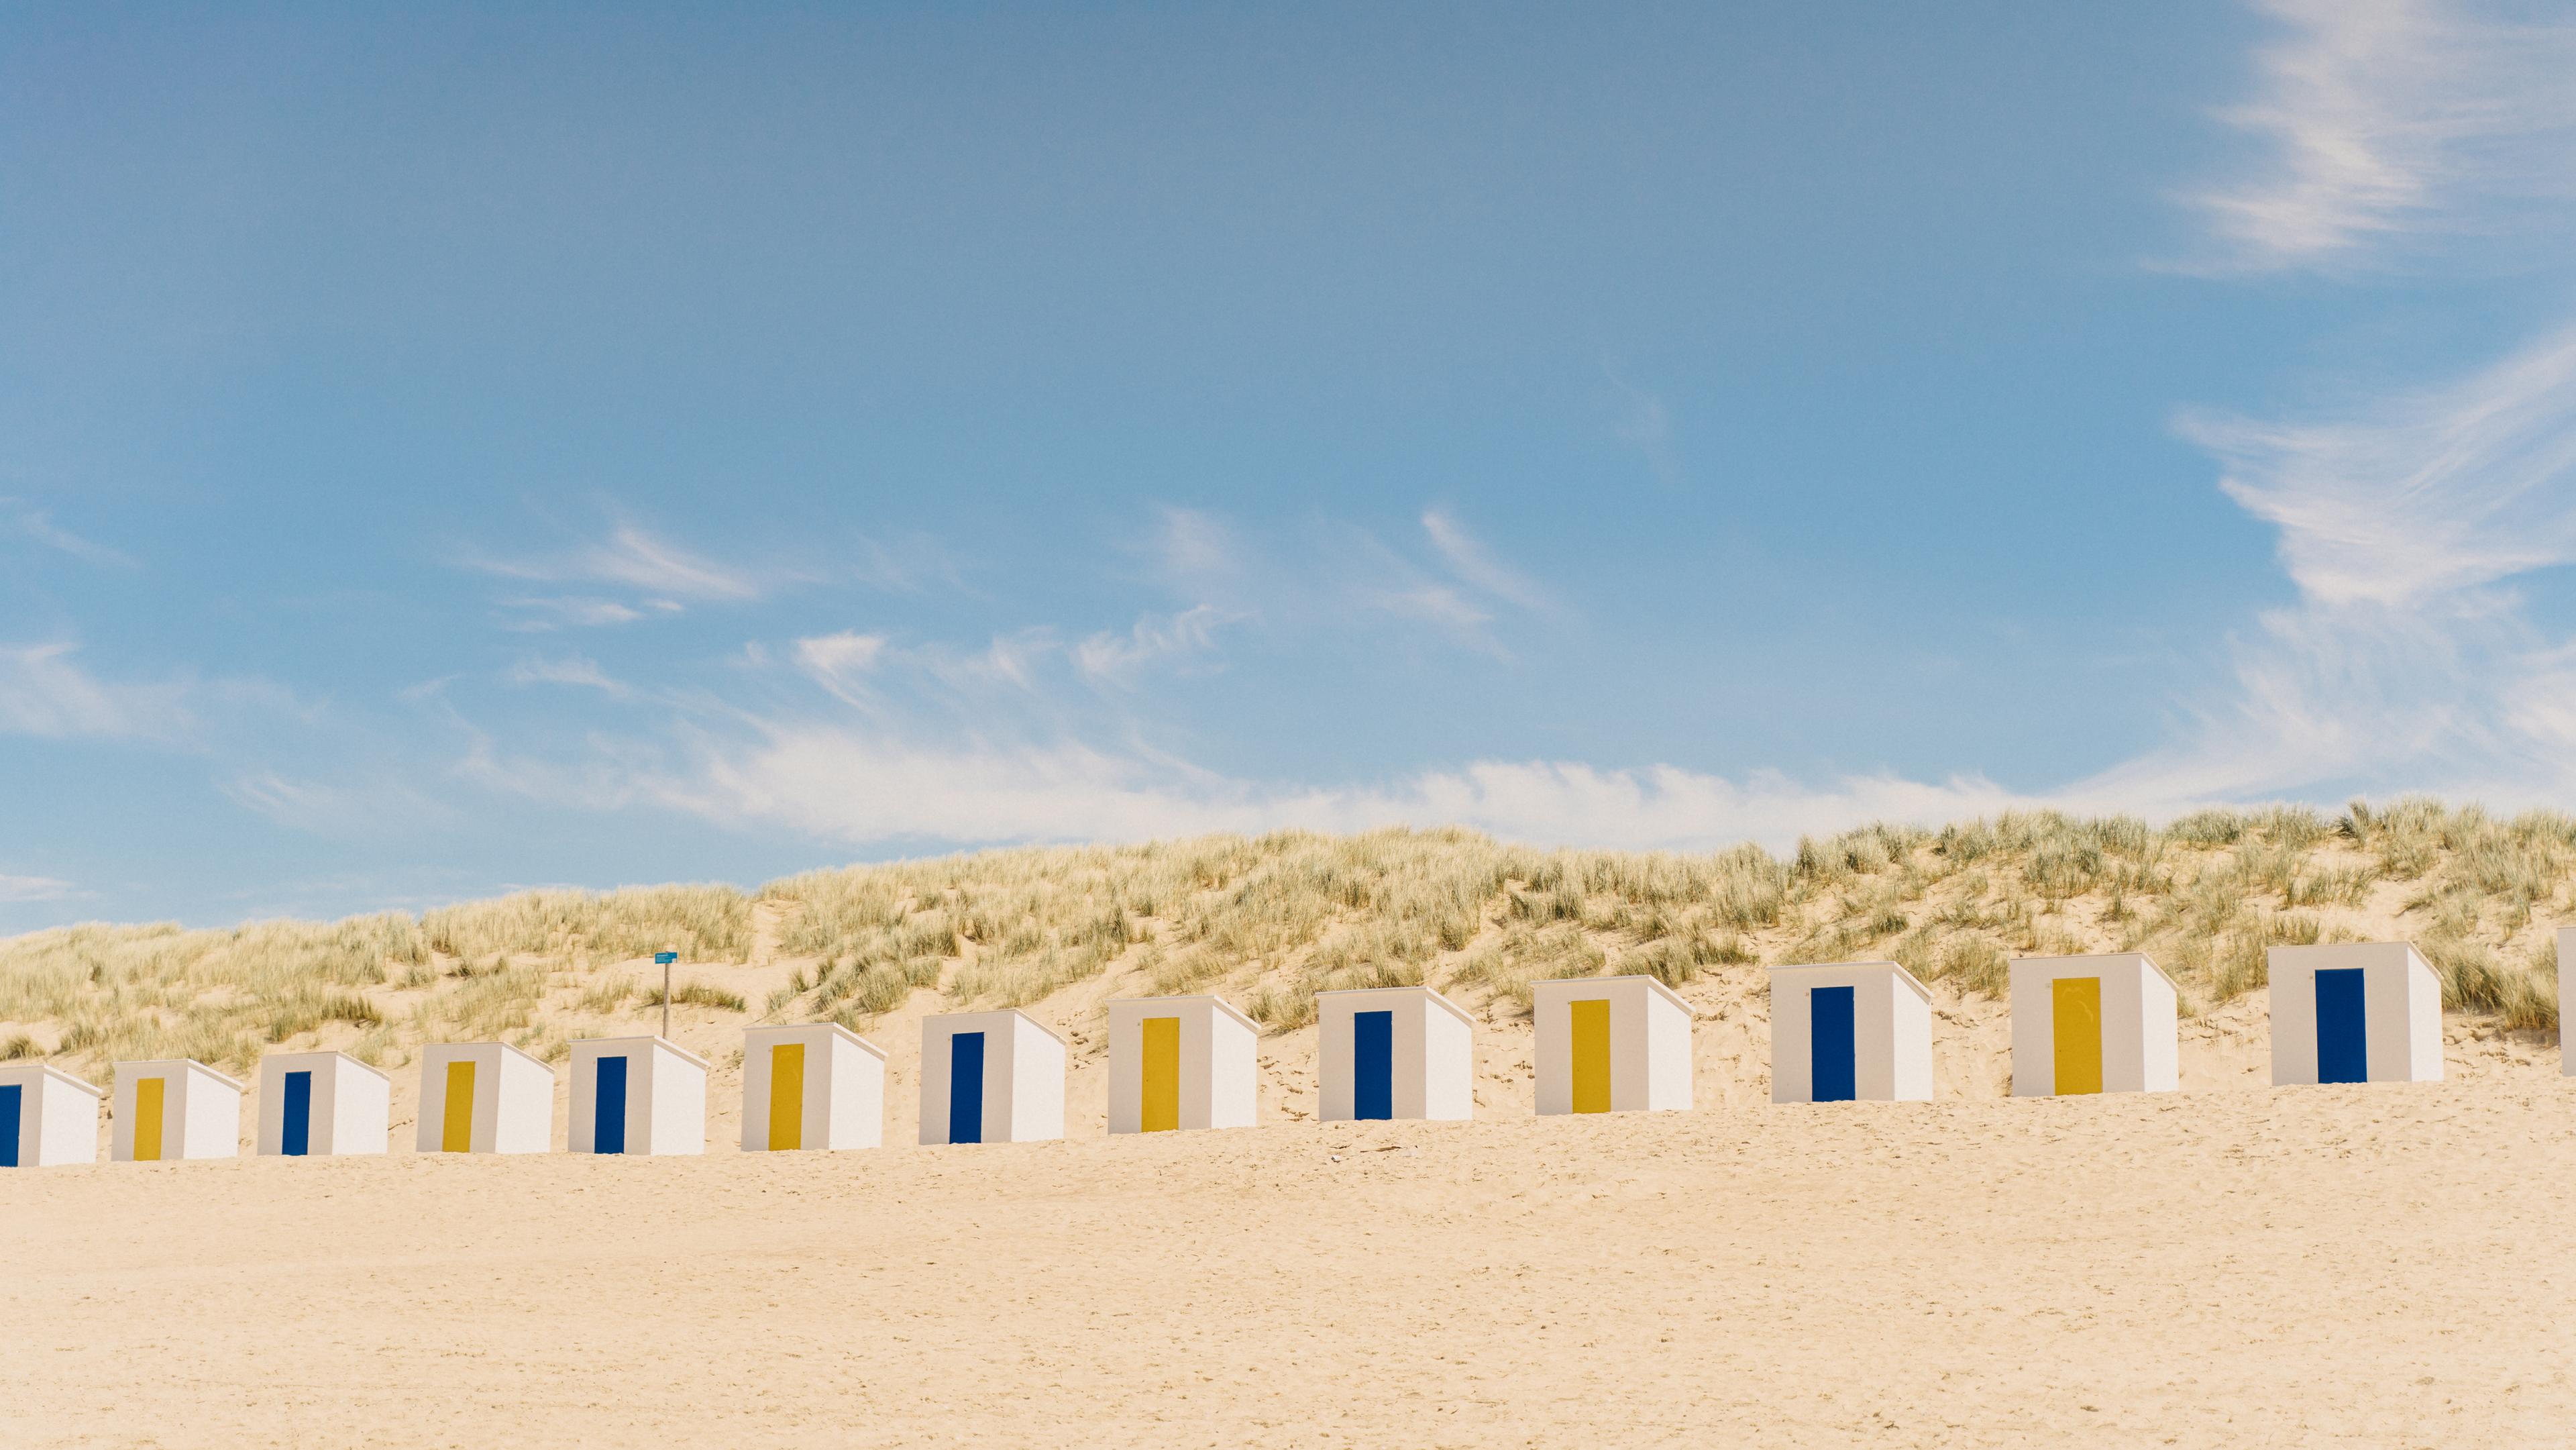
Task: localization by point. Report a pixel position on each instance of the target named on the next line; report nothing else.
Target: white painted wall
(57, 1114)
(2140, 1023)
(1220, 1085)
(1434, 1053)
(844, 1086)
(1891, 1031)
(2401, 1010)
(514, 1098)
(200, 1110)
(1650, 1043)
(352, 1103)
(666, 1096)
(1023, 1076)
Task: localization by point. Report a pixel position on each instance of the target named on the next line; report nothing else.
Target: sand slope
(2318, 1266)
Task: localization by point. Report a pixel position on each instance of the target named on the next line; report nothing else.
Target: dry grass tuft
(695, 994)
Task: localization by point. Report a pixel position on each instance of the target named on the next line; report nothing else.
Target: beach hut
(1611, 1045)
(1851, 1030)
(315, 1103)
(2354, 1012)
(637, 1095)
(175, 1108)
(819, 1085)
(990, 1077)
(47, 1116)
(2566, 956)
(1393, 1052)
(1180, 1062)
(2098, 1024)
(484, 1097)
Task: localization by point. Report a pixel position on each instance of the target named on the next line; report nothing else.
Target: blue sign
(664, 959)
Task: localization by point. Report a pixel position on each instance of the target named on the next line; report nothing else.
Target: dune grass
(1274, 919)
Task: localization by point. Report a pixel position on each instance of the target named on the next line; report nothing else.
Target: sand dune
(2343, 1265)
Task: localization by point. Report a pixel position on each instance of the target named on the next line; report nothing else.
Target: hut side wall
(1669, 1084)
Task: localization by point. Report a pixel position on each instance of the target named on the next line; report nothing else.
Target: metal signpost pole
(664, 960)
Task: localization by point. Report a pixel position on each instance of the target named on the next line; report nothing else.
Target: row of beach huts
(2354, 1012)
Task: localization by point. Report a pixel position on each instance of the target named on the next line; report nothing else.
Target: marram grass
(1274, 919)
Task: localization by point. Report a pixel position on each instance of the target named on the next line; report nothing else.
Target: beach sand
(2380, 1265)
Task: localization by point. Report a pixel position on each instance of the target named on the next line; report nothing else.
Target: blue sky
(474, 448)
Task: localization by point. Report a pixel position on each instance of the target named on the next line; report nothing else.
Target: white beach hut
(175, 1108)
(1850, 1030)
(637, 1095)
(316, 1103)
(47, 1116)
(2354, 1012)
(2567, 968)
(2097, 1024)
(818, 1085)
(1181, 1062)
(1393, 1052)
(990, 1077)
(1611, 1045)
(484, 1097)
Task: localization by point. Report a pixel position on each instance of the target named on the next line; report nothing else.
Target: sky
(448, 450)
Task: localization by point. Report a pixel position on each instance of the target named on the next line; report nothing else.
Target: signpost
(664, 960)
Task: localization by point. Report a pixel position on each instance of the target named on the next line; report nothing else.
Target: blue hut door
(608, 1107)
(10, 1098)
(298, 1137)
(966, 1088)
(1373, 1065)
(1832, 1056)
(2343, 1027)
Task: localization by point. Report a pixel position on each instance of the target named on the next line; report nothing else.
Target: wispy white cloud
(1326, 577)
(577, 671)
(2410, 498)
(536, 615)
(1012, 659)
(633, 557)
(2382, 120)
(2407, 519)
(852, 786)
(660, 577)
(351, 806)
(995, 685)
(39, 525)
(2409, 658)
(1460, 590)
(1434, 603)
(1154, 638)
(33, 888)
(44, 691)
(1195, 548)
(842, 655)
(1472, 562)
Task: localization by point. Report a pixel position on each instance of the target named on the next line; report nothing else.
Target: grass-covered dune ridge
(1272, 920)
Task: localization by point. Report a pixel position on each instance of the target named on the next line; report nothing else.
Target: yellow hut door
(1591, 1055)
(2075, 1011)
(1159, 1110)
(148, 1102)
(456, 1115)
(786, 1097)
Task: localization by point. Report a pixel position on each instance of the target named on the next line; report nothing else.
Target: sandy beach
(2342, 1265)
